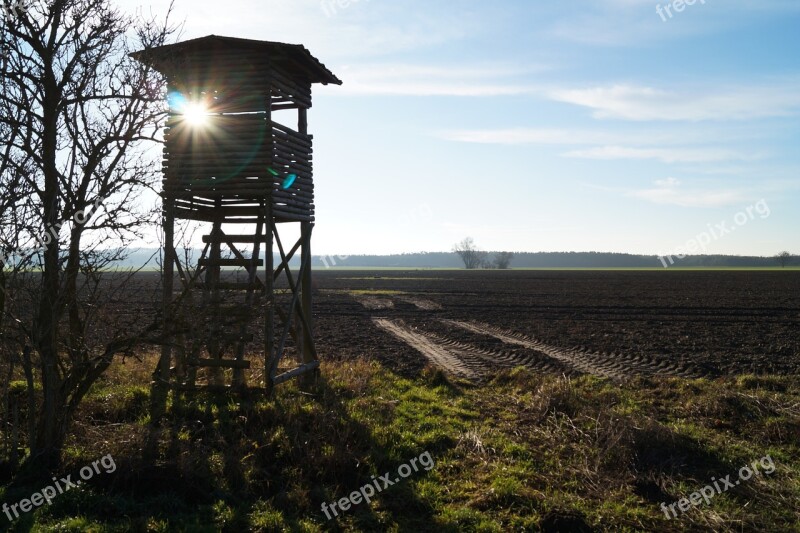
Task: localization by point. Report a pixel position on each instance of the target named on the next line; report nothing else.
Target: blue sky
(543, 125)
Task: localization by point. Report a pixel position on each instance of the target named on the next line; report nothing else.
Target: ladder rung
(248, 239)
(220, 363)
(231, 262)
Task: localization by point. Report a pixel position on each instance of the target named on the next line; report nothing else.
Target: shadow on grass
(236, 463)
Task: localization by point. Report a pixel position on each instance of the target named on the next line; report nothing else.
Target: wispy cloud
(665, 155)
(431, 80)
(526, 136)
(603, 137)
(669, 191)
(667, 147)
(362, 30)
(646, 103)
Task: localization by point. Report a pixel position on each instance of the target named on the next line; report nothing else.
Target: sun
(195, 113)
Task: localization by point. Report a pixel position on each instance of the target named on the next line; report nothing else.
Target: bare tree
(784, 258)
(76, 117)
(502, 260)
(472, 257)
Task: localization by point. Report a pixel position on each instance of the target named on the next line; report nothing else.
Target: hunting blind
(230, 166)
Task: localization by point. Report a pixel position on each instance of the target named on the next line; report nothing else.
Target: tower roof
(293, 59)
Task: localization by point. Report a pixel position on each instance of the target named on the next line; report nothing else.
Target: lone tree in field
(472, 257)
(76, 117)
(502, 260)
(784, 258)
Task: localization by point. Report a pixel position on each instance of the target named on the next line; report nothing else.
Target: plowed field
(613, 324)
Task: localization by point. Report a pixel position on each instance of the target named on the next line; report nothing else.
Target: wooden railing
(230, 159)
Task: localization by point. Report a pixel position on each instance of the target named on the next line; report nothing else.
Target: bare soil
(613, 324)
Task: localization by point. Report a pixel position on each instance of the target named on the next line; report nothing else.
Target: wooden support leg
(214, 345)
(161, 378)
(308, 353)
(269, 300)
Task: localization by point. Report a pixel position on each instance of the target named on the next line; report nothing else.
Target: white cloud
(577, 137)
(638, 145)
(526, 136)
(668, 183)
(646, 103)
(669, 192)
(363, 29)
(665, 155)
(431, 80)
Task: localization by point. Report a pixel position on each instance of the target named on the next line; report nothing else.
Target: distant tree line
(520, 260)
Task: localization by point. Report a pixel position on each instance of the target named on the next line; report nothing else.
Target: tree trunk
(27, 367)
(51, 427)
(49, 437)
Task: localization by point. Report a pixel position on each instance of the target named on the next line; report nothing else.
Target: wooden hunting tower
(229, 165)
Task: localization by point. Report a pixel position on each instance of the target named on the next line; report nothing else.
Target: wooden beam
(231, 262)
(245, 239)
(308, 352)
(302, 123)
(286, 376)
(161, 376)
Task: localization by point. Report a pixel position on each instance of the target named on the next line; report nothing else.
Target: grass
(521, 453)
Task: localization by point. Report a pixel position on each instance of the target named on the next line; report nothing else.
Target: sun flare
(195, 113)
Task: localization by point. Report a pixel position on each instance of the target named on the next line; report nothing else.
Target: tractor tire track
(534, 360)
(468, 361)
(421, 303)
(459, 364)
(375, 304)
(615, 366)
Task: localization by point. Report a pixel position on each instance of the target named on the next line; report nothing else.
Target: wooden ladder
(214, 321)
(226, 316)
